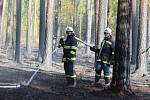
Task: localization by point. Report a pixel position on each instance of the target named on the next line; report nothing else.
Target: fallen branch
(145, 50)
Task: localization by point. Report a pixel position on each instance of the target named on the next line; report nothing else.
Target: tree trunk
(2, 23)
(7, 41)
(135, 23)
(105, 8)
(35, 14)
(49, 34)
(103, 17)
(97, 24)
(80, 26)
(74, 2)
(1, 10)
(141, 61)
(148, 39)
(121, 69)
(18, 30)
(130, 22)
(58, 21)
(29, 30)
(14, 27)
(42, 31)
(108, 11)
(89, 25)
(100, 21)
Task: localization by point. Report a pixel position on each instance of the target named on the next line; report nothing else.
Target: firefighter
(69, 56)
(105, 56)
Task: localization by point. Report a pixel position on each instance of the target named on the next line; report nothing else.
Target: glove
(61, 43)
(59, 46)
(93, 48)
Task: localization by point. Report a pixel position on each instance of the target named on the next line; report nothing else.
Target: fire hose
(83, 42)
(89, 44)
(36, 71)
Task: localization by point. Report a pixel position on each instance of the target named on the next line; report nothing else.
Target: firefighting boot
(73, 82)
(97, 77)
(107, 81)
(68, 81)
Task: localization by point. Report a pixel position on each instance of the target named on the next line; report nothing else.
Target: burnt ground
(51, 85)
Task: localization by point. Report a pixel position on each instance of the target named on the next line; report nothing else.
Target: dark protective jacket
(106, 52)
(69, 48)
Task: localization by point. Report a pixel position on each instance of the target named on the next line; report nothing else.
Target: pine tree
(18, 30)
(41, 31)
(49, 34)
(121, 69)
(141, 68)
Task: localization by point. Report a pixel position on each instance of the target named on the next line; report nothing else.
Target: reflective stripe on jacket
(107, 51)
(69, 49)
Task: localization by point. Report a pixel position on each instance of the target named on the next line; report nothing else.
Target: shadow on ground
(52, 86)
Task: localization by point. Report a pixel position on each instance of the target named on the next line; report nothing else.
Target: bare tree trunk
(135, 23)
(7, 40)
(1, 9)
(35, 30)
(2, 23)
(121, 69)
(14, 27)
(105, 8)
(49, 34)
(103, 17)
(74, 2)
(108, 11)
(148, 39)
(93, 23)
(100, 20)
(97, 24)
(89, 25)
(29, 30)
(58, 23)
(80, 25)
(18, 30)
(42, 31)
(141, 62)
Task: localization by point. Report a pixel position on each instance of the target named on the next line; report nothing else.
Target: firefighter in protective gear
(69, 56)
(105, 55)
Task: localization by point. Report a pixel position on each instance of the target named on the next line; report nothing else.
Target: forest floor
(51, 85)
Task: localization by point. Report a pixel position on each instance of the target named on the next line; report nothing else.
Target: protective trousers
(70, 73)
(99, 66)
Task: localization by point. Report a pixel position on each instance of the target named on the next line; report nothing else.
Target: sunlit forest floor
(51, 85)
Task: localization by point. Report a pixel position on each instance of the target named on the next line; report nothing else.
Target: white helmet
(108, 30)
(69, 29)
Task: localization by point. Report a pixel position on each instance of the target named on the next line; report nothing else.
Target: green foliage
(67, 13)
(24, 20)
(68, 10)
